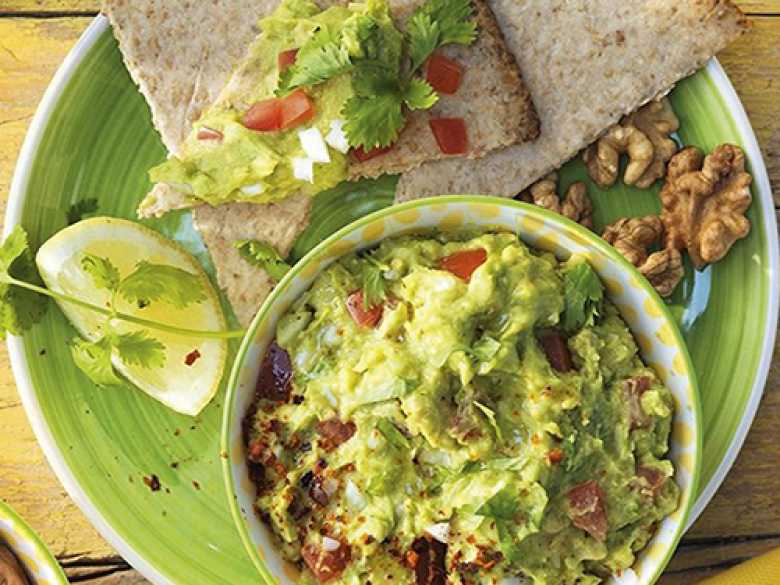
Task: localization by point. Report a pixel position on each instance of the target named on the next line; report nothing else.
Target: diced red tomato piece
(655, 479)
(297, 108)
(586, 509)
(209, 134)
(443, 74)
(634, 388)
(557, 352)
(463, 264)
(264, 116)
(326, 565)
(555, 456)
(287, 59)
(334, 432)
(362, 316)
(363, 155)
(450, 135)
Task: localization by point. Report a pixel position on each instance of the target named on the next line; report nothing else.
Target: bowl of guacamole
(462, 390)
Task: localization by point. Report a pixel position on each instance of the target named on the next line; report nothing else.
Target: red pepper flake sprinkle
(192, 357)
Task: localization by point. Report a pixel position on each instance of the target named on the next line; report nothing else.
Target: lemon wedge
(193, 366)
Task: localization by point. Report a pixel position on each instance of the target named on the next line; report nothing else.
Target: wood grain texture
(743, 519)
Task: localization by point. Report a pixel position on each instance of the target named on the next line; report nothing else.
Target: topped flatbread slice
(587, 64)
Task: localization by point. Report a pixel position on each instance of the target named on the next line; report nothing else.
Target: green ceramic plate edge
(585, 234)
(149, 562)
(43, 556)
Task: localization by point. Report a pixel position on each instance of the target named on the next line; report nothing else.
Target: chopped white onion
(330, 397)
(253, 189)
(330, 334)
(336, 138)
(330, 544)
(330, 485)
(354, 496)
(313, 145)
(303, 169)
(440, 531)
(373, 440)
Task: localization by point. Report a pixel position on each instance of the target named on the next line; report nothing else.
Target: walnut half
(704, 202)
(644, 136)
(633, 237)
(576, 205)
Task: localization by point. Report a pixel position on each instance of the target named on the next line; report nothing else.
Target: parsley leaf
(20, 309)
(94, 359)
(138, 348)
(437, 23)
(104, 274)
(583, 294)
(320, 59)
(491, 416)
(392, 434)
(152, 282)
(373, 284)
(79, 209)
(419, 95)
(263, 255)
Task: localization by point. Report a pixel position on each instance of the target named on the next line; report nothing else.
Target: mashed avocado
(247, 165)
(424, 417)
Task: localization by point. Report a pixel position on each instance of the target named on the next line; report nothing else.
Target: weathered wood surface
(743, 519)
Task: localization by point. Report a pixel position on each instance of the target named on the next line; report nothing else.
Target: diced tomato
(363, 155)
(554, 345)
(264, 116)
(443, 74)
(287, 59)
(586, 509)
(555, 456)
(450, 135)
(275, 375)
(297, 108)
(634, 388)
(655, 479)
(334, 432)
(326, 565)
(209, 134)
(463, 264)
(362, 316)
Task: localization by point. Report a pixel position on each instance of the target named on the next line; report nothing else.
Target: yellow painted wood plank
(759, 6)
(42, 6)
(749, 503)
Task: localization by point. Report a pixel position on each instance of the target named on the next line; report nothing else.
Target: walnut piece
(576, 205)
(704, 202)
(644, 136)
(632, 237)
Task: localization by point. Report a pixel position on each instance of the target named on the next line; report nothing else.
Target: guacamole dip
(459, 409)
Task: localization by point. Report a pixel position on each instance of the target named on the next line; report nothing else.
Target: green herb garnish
(583, 294)
(263, 255)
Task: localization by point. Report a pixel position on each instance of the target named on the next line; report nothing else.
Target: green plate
(93, 138)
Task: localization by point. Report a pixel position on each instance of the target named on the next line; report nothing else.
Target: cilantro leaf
(424, 35)
(104, 274)
(437, 23)
(491, 416)
(373, 122)
(79, 209)
(138, 348)
(502, 506)
(316, 62)
(263, 255)
(20, 309)
(392, 434)
(419, 95)
(485, 349)
(94, 359)
(153, 282)
(373, 285)
(583, 294)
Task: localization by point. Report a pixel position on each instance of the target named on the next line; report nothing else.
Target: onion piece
(337, 138)
(330, 544)
(354, 496)
(303, 169)
(253, 189)
(313, 145)
(440, 531)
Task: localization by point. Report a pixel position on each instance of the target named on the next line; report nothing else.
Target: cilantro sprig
(263, 255)
(583, 293)
(383, 63)
(23, 302)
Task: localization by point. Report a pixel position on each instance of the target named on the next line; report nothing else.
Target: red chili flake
(191, 357)
(555, 456)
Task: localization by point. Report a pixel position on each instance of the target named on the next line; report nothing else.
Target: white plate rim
(20, 369)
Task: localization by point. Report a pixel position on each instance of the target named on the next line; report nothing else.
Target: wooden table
(744, 517)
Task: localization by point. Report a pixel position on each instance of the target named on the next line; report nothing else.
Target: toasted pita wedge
(587, 64)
